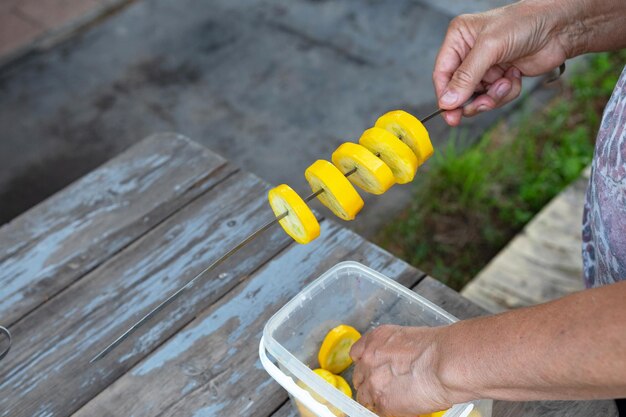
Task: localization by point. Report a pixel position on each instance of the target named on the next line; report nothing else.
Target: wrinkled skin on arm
(571, 348)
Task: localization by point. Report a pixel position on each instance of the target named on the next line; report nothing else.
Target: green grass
(472, 201)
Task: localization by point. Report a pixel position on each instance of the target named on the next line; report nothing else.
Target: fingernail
(482, 108)
(516, 73)
(449, 98)
(503, 89)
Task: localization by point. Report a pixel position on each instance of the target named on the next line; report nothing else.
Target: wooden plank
(211, 368)
(47, 372)
(448, 299)
(461, 307)
(542, 263)
(528, 409)
(286, 410)
(71, 233)
(604, 408)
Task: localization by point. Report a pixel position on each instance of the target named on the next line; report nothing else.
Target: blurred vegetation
(472, 201)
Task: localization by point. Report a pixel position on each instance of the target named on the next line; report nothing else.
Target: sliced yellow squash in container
(334, 354)
(328, 377)
(339, 195)
(395, 153)
(409, 130)
(300, 222)
(371, 175)
(343, 386)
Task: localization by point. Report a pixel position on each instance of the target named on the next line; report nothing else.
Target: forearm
(590, 25)
(572, 348)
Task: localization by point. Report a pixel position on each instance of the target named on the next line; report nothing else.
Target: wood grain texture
(286, 410)
(540, 264)
(55, 243)
(211, 368)
(604, 408)
(47, 372)
(448, 299)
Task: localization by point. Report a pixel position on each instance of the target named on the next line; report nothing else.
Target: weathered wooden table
(79, 268)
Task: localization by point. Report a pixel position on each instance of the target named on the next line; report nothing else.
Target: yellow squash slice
(409, 130)
(395, 153)
(328, 377)
(372, 174)
(343, 386)
(334, 355)
(300, 222)
(334, 380)
(339, 195)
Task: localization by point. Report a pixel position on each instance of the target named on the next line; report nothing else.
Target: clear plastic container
(349, 293)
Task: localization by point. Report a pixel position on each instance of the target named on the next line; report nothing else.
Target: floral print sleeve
(604, 216)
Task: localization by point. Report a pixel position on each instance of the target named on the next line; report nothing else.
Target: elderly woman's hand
(489, 52)
(396, 371)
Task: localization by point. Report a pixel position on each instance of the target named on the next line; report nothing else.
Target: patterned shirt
(604, 216)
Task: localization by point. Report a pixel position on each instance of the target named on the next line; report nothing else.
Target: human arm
(491, 51)
(571, 348)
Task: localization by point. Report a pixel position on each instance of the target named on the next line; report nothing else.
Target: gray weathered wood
(47, 371)
(171, 216)
(286, 410)
(540, 264)
(447, 298)
(211, 367)
(55, 243)
(604, 408)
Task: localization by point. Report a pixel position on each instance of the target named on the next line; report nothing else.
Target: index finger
(452, 52)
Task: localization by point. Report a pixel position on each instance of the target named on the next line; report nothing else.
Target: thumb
(467, 76)
(357, 349)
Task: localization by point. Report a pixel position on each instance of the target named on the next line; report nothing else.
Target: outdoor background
(275, 85)
(271, 85)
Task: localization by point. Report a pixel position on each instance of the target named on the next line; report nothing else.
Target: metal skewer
(188, 285)
(433, 114)
(321, 190)
(224, 257)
